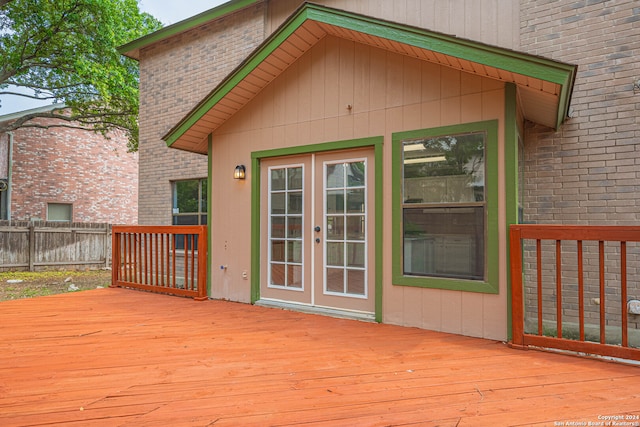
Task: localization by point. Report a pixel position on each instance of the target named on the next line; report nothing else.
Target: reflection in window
(444, 206)
(345, 224)
(285, 227)
(189, 205)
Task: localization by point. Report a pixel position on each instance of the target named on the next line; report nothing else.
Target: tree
(66, 51)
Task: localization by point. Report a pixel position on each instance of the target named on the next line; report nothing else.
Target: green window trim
(490, 284)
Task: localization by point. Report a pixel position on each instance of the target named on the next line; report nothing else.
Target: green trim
(491, 285)
(511, 181)
(233, 79)
(185, 25)
(480, 53)
(257, 156)
(508, 60)
(209, 209)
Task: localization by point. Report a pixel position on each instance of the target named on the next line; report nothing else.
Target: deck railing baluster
(147, 258)
(559, 288)
(623, 293)
(579, 335)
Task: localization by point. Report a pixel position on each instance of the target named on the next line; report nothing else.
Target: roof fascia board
(508, 60)
(185, 25)
(250, 64)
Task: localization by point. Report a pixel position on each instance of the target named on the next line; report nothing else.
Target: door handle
(317, 229)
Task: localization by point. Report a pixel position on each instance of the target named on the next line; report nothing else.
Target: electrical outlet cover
(634, 306)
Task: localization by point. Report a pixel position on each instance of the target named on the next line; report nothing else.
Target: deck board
(117, 357)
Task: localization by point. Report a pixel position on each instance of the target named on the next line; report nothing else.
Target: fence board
(40, 245)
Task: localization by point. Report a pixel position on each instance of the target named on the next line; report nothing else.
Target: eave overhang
(132, 49)
(544, 85)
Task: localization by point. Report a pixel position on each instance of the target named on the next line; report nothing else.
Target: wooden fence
(164, 259)
(573, 286)
(40, 245)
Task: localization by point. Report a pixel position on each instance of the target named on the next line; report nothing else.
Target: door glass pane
(294, 276)
(278, 181)
(295, 178)
(355, 227)
(277, 203)
(355, 201)
(277, 274)
(335, 253)
(294, 251)
(335, 280)
(294, 227)
(335, 227)
(335, 176)
(295, 203)
(355, 174)
(355, 255)
(277, 250)
(335, 201)
(277, 227)
(356, 282)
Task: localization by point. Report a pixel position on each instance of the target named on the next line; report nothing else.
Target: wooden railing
(571, 286)
(164, 259)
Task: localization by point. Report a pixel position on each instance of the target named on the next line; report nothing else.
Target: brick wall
(63, 165)
(175, 75)
(587, 172)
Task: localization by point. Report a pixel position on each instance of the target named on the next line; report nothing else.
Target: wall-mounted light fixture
(239, 173)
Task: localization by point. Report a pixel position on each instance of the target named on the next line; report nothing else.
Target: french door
(317, 225)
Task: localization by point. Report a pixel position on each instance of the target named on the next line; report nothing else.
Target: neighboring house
(388, 145)
(66, 174)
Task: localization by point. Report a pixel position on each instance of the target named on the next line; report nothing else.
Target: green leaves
(66, 51)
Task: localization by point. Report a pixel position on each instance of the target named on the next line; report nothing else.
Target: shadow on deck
(116, 357)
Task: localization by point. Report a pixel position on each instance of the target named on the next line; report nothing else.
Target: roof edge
(517, 62)
(132, 49)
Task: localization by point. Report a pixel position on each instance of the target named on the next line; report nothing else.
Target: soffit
(544, 86)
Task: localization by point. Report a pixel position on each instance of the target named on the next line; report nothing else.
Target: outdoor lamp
(239, 172)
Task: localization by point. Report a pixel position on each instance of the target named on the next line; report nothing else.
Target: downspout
(9, 169)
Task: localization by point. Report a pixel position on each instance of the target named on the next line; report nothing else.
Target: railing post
(202, 264)
(115, 258)
(517, 304)
(32, 246)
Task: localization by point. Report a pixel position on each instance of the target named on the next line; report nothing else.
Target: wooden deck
(118, 357)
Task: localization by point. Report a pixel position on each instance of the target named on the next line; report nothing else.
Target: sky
(166, 11)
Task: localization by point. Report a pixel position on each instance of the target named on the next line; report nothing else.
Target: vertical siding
(495, 22)
(308, 104)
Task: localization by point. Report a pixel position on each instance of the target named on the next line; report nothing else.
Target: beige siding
(308, 104)
(495, 22)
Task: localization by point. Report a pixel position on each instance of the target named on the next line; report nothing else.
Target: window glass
(59, 212)
(189, 205)
(190, 202)
(443, 213)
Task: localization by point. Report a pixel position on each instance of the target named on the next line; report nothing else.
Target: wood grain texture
(117, 357)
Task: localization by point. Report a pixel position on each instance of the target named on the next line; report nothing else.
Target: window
(190, 202)
(59, 212)
(445, 207)
(189, 206)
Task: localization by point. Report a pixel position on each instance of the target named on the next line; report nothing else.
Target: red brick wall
(587, 172)
(63, 165)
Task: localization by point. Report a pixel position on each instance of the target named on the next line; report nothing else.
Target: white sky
(166, 11)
